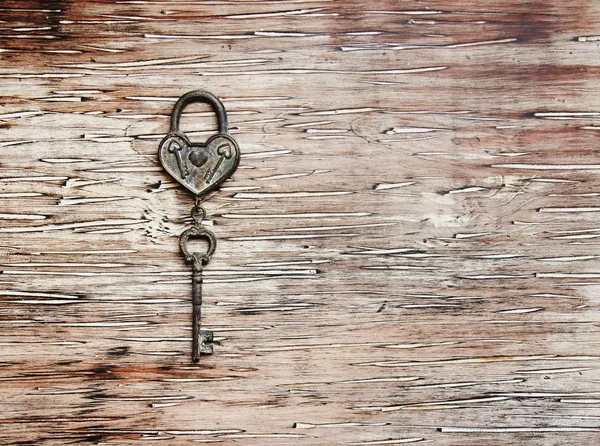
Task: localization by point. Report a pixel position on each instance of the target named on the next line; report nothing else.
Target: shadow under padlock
(199, 167)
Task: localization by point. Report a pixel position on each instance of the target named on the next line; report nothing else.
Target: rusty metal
(200, 168)
(201, 340)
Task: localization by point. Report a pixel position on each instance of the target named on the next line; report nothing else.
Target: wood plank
(407, 253)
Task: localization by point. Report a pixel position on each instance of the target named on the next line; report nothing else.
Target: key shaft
(201, 340)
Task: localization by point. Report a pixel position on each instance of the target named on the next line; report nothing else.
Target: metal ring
(197, 232)
(199, 96)
(198, 213)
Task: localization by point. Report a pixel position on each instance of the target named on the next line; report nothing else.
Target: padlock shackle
(199, 96)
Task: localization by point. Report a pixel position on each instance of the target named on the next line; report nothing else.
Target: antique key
(201, 340)
(200, 168)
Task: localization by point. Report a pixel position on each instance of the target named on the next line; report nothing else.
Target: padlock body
(199, 167)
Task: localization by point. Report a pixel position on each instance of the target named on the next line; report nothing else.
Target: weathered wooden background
(409, 251)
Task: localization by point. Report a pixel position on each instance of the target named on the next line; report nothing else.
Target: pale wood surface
(407, 253)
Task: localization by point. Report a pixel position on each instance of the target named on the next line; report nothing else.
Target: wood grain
(408, 252)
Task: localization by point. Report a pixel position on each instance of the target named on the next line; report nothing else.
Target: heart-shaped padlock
(199, 167)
